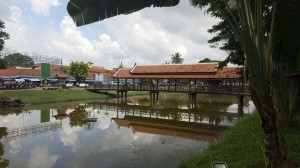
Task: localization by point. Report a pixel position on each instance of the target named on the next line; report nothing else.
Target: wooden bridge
(192, 79)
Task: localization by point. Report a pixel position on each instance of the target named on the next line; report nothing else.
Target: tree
(18, 59)
(271, 49)
(207, 60)
(3, 35)
(3, 63)
(267, 68)
(176, 58)
(79, 70)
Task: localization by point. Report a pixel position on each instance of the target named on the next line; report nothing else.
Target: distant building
(57, 74)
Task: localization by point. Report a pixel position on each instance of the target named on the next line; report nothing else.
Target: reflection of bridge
(183, 123)
(184, 115)
(32, 130)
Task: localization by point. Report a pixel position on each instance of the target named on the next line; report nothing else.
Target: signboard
(45, 70)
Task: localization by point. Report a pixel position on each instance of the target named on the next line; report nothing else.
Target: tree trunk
(272, 147)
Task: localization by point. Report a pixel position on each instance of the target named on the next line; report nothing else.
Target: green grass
(55, 96)
(241, 146)
(52, 96)
(291, 138)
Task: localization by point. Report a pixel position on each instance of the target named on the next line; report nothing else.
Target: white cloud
(104, 118)
(42, 7)
(16, 13)
(150, 36)
(40, 157)
(15, 146)
(69, 137)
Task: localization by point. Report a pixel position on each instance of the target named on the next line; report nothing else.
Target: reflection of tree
(78, 117)
(3, 162)
(176, 115)
(216, 120)
(3, 132)
(11, 110)
(173, 102)
(144, 102)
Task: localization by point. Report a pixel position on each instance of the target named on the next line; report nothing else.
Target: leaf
(88, 11)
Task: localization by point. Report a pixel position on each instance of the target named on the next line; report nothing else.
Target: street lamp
(219, 165)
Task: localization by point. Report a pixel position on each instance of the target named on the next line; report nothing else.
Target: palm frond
(88, 11)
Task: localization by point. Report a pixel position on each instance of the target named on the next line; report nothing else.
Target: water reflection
(110, 135)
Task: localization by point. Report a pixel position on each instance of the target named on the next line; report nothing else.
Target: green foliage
(207, 60)
(238, 148)
(78, 116)
(79, 70)
(241, 146)
(224, 36)
(17, 59)
(3, 63)
(176, 58)
(3, 35)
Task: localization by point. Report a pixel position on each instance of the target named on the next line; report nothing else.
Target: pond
(107, 134)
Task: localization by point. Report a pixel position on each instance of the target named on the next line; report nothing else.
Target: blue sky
(147, 37)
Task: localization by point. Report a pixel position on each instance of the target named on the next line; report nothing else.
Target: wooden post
(118, 83)
(150, 96)
(133, 84)
(240, 103)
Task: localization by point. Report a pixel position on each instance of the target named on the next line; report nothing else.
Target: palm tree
(176, 58)
(267, 68)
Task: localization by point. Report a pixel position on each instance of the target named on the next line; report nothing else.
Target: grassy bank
(242, 146)
(53, 96)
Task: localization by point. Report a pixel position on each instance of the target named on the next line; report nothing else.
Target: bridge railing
(221, 89)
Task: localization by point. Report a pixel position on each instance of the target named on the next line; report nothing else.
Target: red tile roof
(54, 71)
(175, 68)
(225, 73)
(20, 72)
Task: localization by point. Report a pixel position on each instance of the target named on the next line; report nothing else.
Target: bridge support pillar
(122, 95)
(240, 103)
(154, 97)
(192, 100)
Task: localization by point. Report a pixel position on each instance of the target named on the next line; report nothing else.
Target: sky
(147, 37)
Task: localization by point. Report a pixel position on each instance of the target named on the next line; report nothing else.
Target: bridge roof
(174, 68)
(183, 72)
